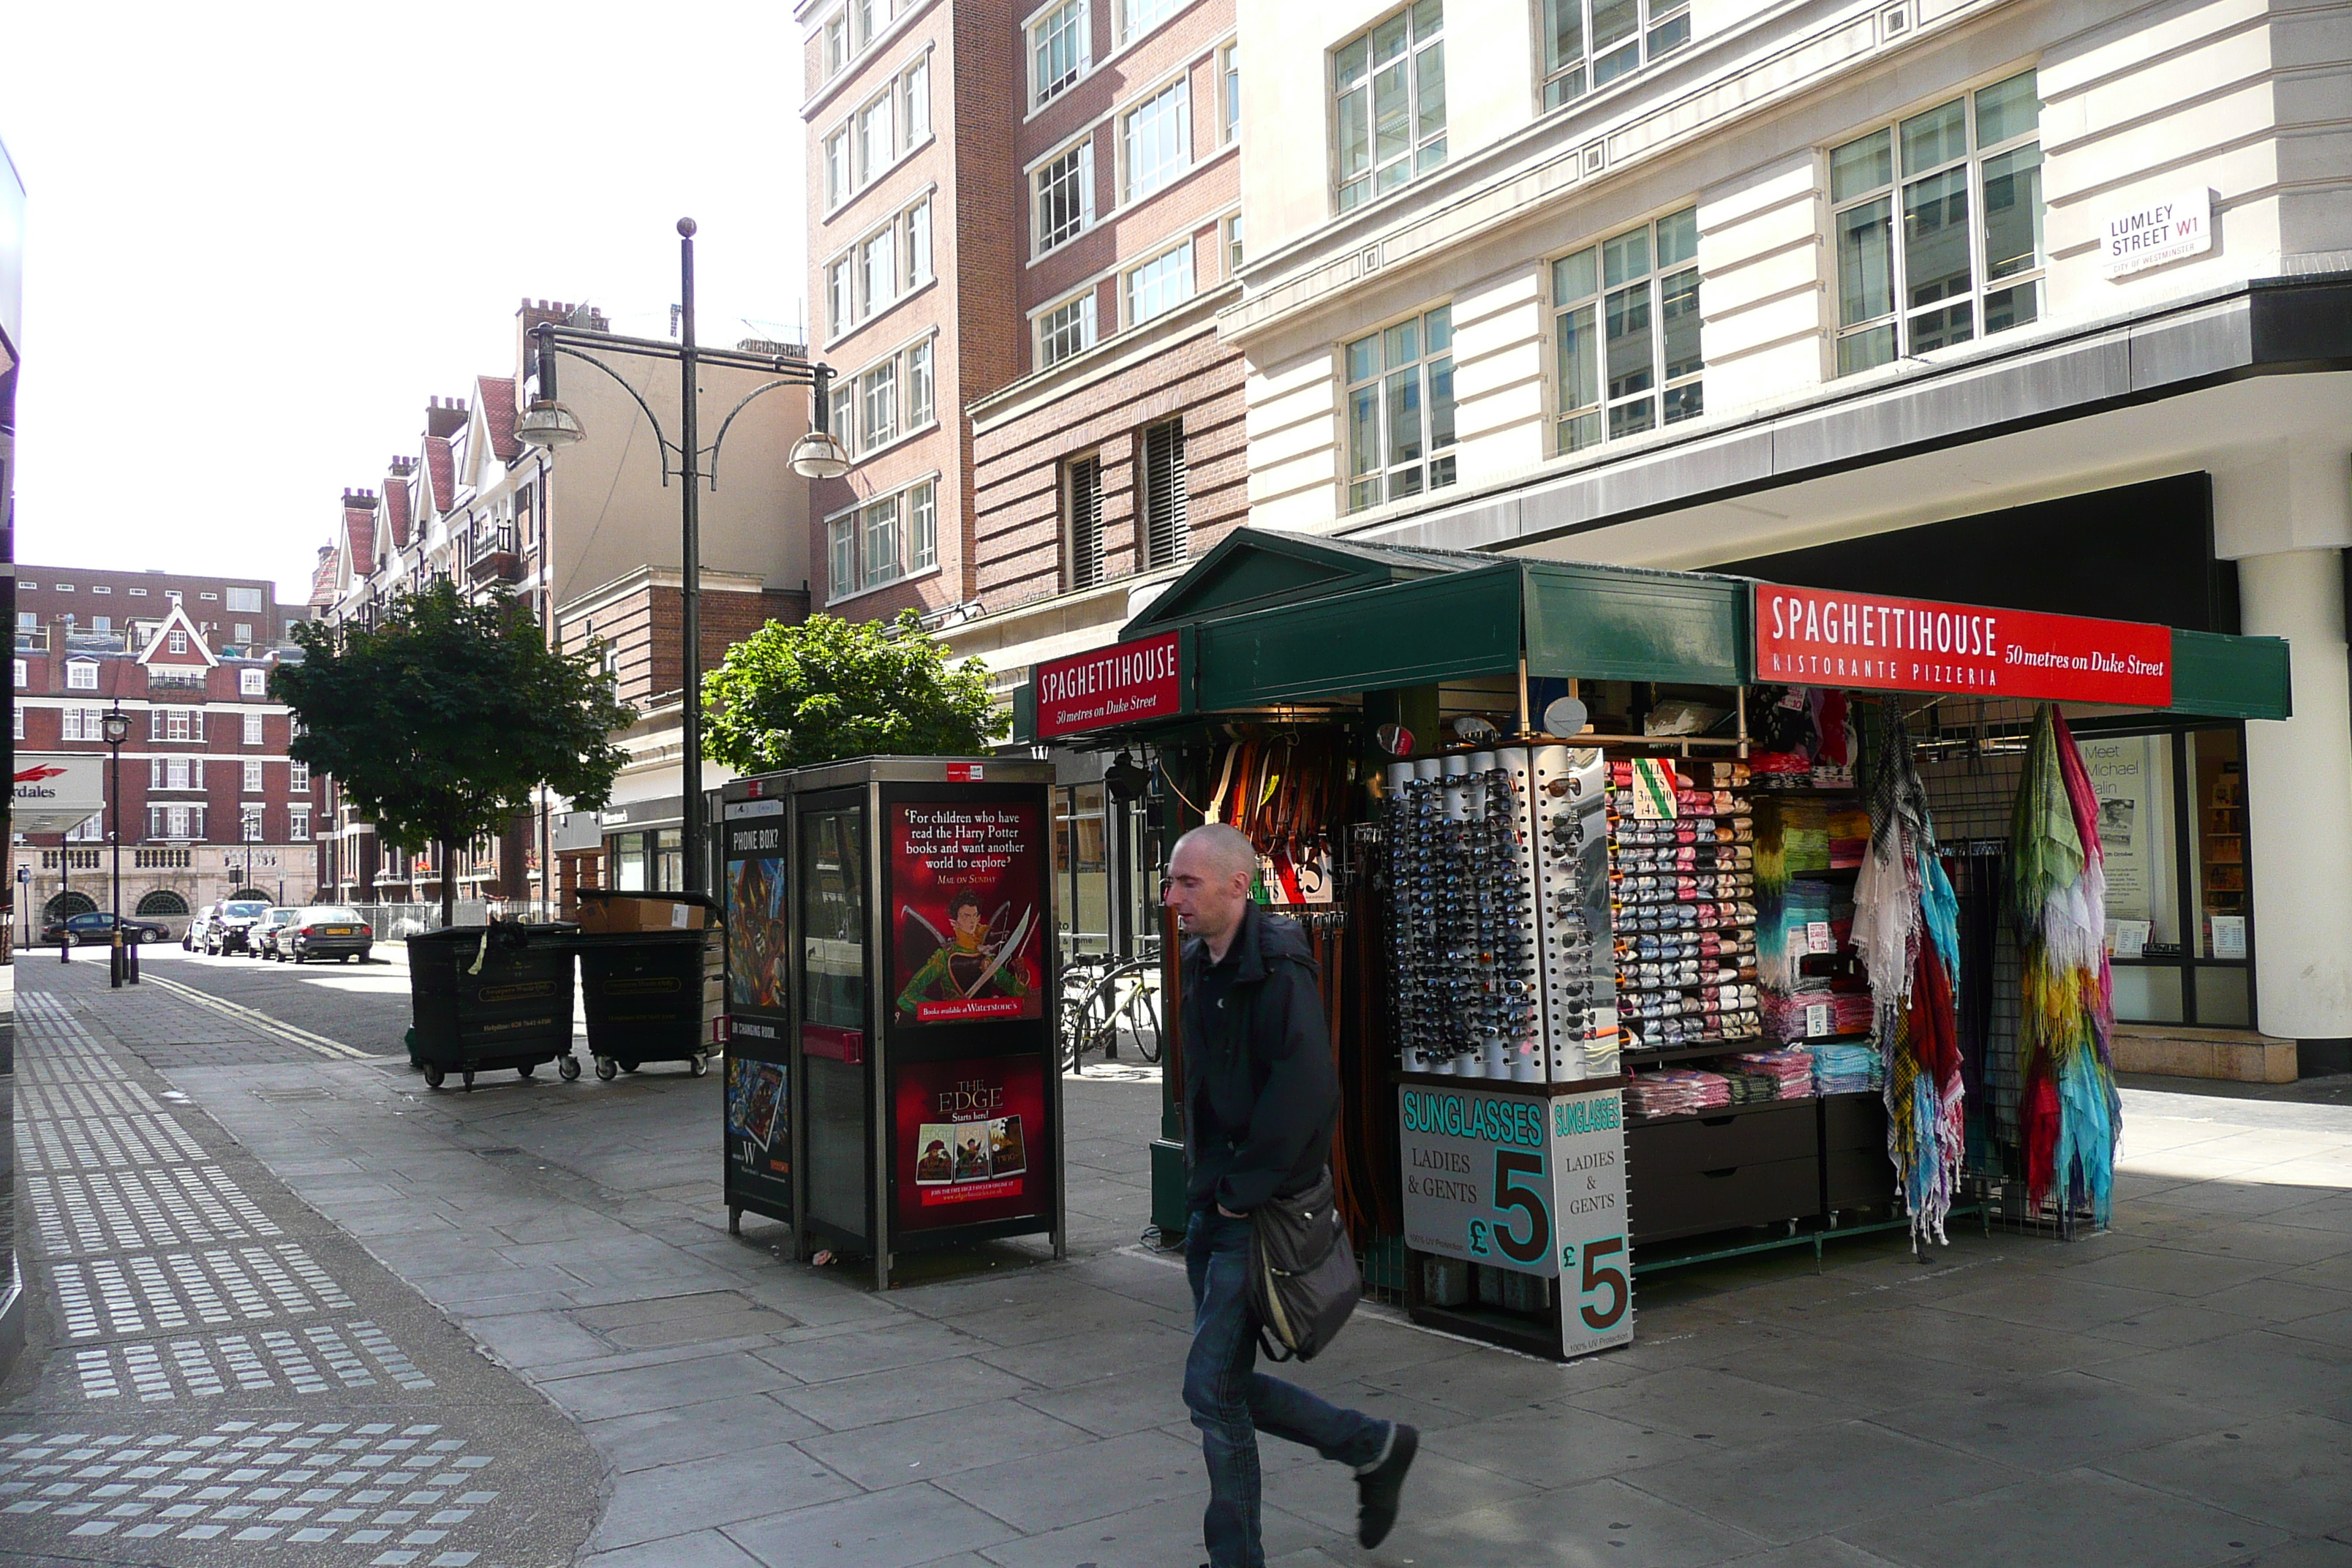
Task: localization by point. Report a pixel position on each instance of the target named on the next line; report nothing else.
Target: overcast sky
(259, 238)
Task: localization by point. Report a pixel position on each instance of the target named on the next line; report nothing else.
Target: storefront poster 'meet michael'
(970, 896)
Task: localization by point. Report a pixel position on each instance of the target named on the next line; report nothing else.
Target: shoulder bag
(1304, 1281)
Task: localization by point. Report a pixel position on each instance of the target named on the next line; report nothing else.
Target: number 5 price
(1599, 1275)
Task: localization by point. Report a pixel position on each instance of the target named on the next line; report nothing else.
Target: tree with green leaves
(439, 722)
(828, 688)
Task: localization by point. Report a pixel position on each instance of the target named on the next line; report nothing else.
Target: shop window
(1388, 85)
(1401, 410)
(1626, 333)
(1966, 179)
(629, 867)
(1082, 866)
(1167, 499)
(2172, 829)
(1588, 43)
(1082, 509)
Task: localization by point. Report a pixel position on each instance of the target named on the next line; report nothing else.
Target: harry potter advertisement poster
(972, 1139)
(967, 917)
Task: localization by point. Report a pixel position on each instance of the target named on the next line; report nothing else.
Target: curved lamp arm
(667, 446)
(718, 440)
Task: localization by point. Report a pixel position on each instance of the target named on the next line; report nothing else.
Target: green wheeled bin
(651, 996)
(488, 998)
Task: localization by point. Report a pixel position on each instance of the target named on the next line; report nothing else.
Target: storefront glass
(629, 863)
(669, 860)
(1082, 867)
(833, 919)
(2181, 922)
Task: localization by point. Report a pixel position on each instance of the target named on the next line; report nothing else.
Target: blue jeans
(1232, 1403)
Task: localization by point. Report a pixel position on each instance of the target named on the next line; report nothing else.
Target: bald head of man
(1208, 880)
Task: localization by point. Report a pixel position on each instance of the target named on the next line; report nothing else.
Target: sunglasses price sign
(1532, 1183)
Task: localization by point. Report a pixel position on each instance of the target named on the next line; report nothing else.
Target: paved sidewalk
(2177, 1391)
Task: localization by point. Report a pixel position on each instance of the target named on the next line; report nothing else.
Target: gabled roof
(358, 541)
(441, 465)
(157, 649)
(1257, 568)
(494, 406)
(396, 497)
(324, 575)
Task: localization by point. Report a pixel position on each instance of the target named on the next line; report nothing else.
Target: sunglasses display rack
(1682, 873)
(1579, 973)
(1462, 937)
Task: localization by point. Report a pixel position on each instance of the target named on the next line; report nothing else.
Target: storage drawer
(1690, 1202)
(1853, 1121)
(1727, 1138)
(1858, 1178)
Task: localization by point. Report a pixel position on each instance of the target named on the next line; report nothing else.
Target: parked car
(200, 929)
(233, 930)
(327, 931)
(269, 928)
(97, 927)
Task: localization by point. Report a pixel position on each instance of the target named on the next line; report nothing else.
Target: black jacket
(1260, 1093)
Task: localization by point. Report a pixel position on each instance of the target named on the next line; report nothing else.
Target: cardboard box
(603, 912)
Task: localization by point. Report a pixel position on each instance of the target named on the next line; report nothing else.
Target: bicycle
(1124, 1001)
(1080, 973)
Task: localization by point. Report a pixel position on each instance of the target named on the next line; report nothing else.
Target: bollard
(131, 963)
(114, 961)
(65, 947)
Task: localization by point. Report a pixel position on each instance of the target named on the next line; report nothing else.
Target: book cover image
(967, 911)
(964, 1133)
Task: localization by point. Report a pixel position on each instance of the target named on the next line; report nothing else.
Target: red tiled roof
(359, 533)
(322, 576)
(395, 506)
(495, 396)
(442, 465)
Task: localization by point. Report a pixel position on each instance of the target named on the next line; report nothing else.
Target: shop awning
(1269, 618)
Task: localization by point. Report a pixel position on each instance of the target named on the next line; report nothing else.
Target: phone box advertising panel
(967, 911)
(971, 1142)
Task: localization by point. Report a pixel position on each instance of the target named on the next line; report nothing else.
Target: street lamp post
(819, 454)
(116, 728)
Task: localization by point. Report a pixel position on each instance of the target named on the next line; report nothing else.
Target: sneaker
(1377, 1489)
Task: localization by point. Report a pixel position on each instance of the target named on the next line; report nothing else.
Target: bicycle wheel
(1143, 1018)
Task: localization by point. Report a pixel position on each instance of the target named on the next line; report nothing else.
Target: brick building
(588, 538)
(211, 803)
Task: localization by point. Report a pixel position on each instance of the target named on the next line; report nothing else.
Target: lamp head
(549, 424)
(115, 727)
(819, 454)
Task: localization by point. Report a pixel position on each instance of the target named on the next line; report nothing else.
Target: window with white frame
(840, 297)
(843, 417)
(252, 729)
(1401, 410)
(18, 710)
(1588, 43)
(1160, 285)
(918, 248)
(836, 44)
(891, 537)
(90, 829)
(243, 637)
(245, 601)
(176, 773)
(1137, 17)
(253, 682)
(298, 824)
(1233, 245)
(175, 822)
(878, 269)
(82, 675)
(101, 623)
(877, 399)
(1082, 522)
(252, 777)
(1063, 195)
(1966, 259)
(249, 825)
(920, 391)
(298, 778)
(1388, 84)
(20, 673)
(1061, 46)
(178, 642)
(82, 724)
(875, 144)
(840, 168)
(1625, 333)
(1066, 330)
(915, 103)
(102, 588)
(1155, 140)
(1229, 89)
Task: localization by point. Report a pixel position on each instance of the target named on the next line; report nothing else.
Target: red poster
(968, 916)
(971, 1142)
(1808, 637)
(1117, 685)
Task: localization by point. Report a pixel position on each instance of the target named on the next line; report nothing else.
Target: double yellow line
(261, 1022)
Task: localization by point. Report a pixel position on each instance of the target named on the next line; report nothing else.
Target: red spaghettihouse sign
(1123, 684)
(1812, 636)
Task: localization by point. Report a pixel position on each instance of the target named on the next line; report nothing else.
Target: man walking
(1260, 1099)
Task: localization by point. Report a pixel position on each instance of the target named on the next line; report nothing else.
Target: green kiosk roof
(1267, 618)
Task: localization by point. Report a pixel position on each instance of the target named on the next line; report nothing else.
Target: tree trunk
(448, 883)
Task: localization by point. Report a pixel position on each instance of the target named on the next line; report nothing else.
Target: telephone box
(891, 1082)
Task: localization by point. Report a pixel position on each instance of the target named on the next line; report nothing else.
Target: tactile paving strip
(59, 1101)
(405, 1489)
(148, 1292)
(132, 1210)
(318, 1359)
(98, 1143)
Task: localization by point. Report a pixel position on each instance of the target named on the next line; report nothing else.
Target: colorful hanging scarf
(1905, 926)
(2071, 1115)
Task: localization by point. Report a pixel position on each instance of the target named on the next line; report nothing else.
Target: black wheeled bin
(650, 996)
(491, 998)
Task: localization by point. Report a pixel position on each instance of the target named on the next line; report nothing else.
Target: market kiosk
(890, 1083)
(1603, 861)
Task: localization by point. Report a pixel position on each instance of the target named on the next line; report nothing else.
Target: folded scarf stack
(1789, 1072)
(1675, 1091)
(1783, 932)
(1845, 1070)
(1849, 833)
(1815, 1015)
